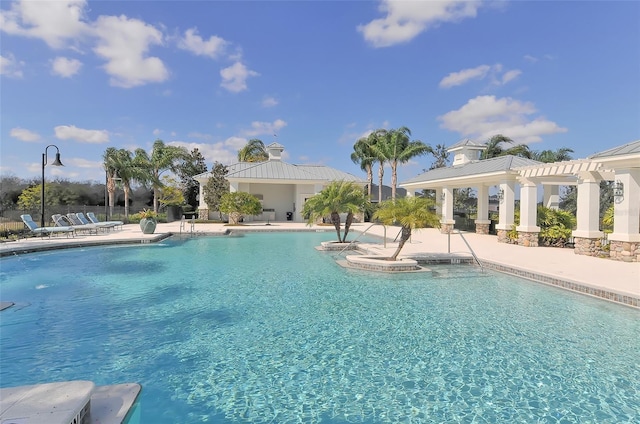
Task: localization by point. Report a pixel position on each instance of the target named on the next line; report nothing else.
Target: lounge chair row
(71, 223)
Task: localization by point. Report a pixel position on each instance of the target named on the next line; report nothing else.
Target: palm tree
(410, 213)
(550, 156)
(377, 137)
(494, 148)
(253, 151)
(363, 156)
(337, 197)
(150, 167)
(397, 148)
(127, 172)
(109, 158)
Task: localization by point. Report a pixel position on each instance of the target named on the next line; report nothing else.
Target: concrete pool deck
(612, 280)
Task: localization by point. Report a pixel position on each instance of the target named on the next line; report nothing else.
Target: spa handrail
(363, 233)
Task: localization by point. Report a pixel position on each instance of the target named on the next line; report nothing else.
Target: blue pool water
(264, 328)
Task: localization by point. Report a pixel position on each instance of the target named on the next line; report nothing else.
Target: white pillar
(483, 204)
(528, 207)
(506, 206)
(439, 192)
(447, 205)
(551, 196)
(626, 215)
(201, 203)
(447, 222)
(588, 206)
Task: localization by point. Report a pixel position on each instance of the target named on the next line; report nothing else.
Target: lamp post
(44, 163)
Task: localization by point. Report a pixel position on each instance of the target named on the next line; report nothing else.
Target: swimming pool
(264, 328)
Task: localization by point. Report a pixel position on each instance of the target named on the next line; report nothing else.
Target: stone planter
(379, 263)
(148, 225)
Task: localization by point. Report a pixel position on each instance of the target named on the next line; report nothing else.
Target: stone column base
(446, 228)
(503, 237)
(624, 251)
(482, 228)
(203, 214)
(527, 239)
(588, 246)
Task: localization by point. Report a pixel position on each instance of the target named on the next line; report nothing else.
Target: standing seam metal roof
(487, 166)
(627, 149)
(278, 170)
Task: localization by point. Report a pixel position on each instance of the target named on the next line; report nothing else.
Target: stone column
(624, 242)
(447, 222)
(587, 235)
(482, 221)
(551, 196)
(528, 230)
(506, 210)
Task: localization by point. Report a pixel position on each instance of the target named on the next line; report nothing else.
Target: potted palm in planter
(148, 221)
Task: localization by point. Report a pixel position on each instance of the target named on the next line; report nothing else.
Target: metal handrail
(363, 233)
(471, 250)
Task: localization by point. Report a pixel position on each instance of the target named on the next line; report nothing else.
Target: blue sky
(313, 75)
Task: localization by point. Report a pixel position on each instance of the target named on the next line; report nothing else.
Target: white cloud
(404, 20)
(71, 132)
(269, 101)
(224, 152)
(495, 72)
(234, 78)
(157, 132)
(261, 128)
(24, 135)
(461, 77)
(124, 43)
(11, 67)
(531, 59)
(65, 67)
(485, 116)
(83, 163)
(510, 75)
(54, 22)
(213, 47)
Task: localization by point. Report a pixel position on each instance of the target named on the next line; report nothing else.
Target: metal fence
(10, 222)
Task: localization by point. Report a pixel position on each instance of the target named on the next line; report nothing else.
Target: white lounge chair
(92, 217)
(65, 221)
(33, 227)
(101, 225)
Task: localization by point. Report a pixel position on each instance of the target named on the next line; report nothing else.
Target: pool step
(70, 402)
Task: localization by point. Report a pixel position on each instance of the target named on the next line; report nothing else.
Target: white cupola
(465, 151)
(275, 151)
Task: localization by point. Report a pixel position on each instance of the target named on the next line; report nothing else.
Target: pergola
(620, 164)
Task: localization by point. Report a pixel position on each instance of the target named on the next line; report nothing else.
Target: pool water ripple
(263, 328)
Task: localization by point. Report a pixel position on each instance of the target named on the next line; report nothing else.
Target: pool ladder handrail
(470, 250)
(363, 233)
(183, 224)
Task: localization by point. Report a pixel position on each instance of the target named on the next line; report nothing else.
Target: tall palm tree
(151, 166)
(253, 151)
(127, 172)
(378, 136)
(397, 148)
(110, 166)
(363, 156)
(336, 198)
(410, 213)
